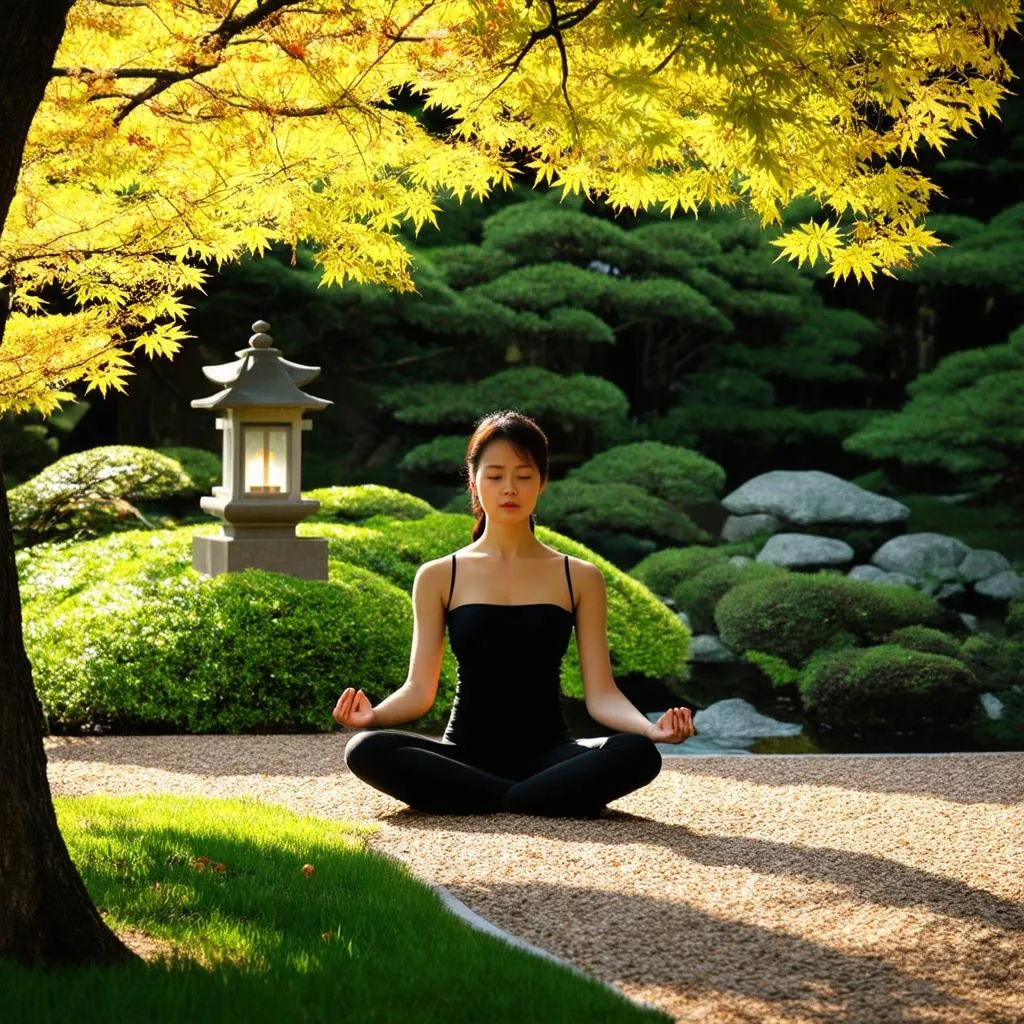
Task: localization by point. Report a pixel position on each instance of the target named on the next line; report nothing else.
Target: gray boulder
(796, 549)
(708, 647)
(992, 704)
(742, 527)
(872, 574)
(921, 555)
(1002, 587)
(740, 560)
(811, 496)
(980, 565)
(949, 590)
(970, 622)
(737, 719)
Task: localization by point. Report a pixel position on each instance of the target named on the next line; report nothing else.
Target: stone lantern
(259, 498)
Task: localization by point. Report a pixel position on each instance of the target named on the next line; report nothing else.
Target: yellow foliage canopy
(179, 133)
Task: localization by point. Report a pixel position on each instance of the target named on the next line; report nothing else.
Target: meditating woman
(509, 615)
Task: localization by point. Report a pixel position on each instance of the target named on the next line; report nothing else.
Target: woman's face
(502, 477)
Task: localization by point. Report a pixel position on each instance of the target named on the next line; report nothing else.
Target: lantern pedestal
(304, 557)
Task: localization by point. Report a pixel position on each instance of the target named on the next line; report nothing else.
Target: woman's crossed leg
(570, 779)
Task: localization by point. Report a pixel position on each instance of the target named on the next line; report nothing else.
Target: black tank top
(509, 658)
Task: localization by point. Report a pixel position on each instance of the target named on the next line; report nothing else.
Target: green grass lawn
(257, 938)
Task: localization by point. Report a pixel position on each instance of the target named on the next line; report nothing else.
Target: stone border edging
(472, 918)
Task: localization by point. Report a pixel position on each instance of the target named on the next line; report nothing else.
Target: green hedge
(122, 631)
(887, 687)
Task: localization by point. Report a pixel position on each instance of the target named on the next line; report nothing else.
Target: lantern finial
(261, 339)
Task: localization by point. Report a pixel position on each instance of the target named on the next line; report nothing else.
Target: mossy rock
(997, 662)
(885, 688)
(794, 615)
(122, 631)
(364, 501)
(699, 595)
(926, 639)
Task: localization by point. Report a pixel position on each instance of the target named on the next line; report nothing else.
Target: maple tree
(145, 141)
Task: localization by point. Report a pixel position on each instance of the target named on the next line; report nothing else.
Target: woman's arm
(606, 703)
(415, 697)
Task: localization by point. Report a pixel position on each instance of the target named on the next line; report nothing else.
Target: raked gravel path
(731, 890)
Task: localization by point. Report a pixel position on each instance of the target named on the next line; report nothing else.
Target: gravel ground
(731, 890)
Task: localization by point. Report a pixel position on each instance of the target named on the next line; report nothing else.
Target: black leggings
(574, 779)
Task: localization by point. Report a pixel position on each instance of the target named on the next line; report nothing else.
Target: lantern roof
(260, 377)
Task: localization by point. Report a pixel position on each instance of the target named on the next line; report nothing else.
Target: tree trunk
(46, 916)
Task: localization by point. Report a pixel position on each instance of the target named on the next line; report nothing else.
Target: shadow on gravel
(669, 945)
(865, 877)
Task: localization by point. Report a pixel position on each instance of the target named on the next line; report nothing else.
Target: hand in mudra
(673, 727)
(353, 709)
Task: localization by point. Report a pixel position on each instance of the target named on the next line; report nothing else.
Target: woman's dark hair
(526, 438)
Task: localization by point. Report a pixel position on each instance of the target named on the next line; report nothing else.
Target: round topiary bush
(793, 615)
(203, 468)
(359, 503)
(122, 631)
(699, 595)
(997, 662)
(240, 651)
(661, 571)
(926, 639)
(887, 687)
(92, 492)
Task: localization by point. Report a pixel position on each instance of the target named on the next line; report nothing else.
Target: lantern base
(303, 557)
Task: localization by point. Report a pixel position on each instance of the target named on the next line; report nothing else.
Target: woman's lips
(509, 504)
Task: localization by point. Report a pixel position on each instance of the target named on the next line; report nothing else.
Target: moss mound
(885, 687)
(794, 615)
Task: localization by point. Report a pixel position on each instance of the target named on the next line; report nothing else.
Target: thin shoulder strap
(452, 588)
(572, 599)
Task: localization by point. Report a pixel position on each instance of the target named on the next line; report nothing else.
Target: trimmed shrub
(795, 614)
(92, 492)
(240, 651)
(122, 631)
(887, 687)
(662, 570)
(1015, 620)
(926, 639)
(997, 662)
(362, 502)
(670, 472)
(203, 468)
(582, 508)
(699, 595)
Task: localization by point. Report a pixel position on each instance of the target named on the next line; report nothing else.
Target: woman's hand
(353, 709)
(673, 727)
